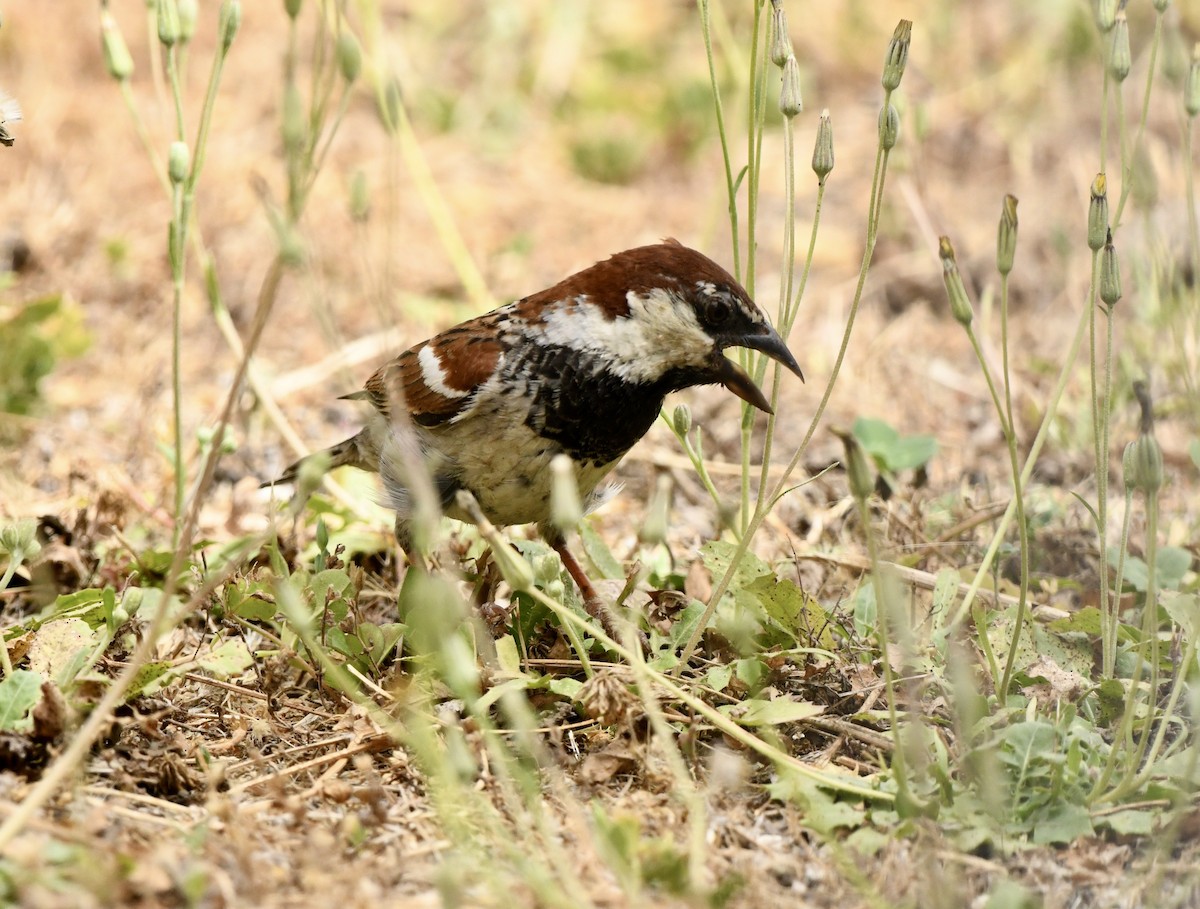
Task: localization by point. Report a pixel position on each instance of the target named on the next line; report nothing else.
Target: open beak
(735, 378)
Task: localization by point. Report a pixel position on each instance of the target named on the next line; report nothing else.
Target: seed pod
(1119, 57)
(790, 102)
(1191, 88)
(1097, 229)
(822, 162)
(781, 44)
(1106, 14)
(349, 56)
(117, 59)
(177, 162)
(230, 21)
(1110, 275)
(167, 20)
(897, 55)
(1006, 236)
(960, 303)
(682, 419)
(889, 126)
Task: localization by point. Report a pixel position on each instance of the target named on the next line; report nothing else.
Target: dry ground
(318, 806)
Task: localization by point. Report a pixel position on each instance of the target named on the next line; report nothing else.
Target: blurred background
(554, 134)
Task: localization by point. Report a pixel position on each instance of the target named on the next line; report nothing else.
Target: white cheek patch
(658, 334)
(434, 375)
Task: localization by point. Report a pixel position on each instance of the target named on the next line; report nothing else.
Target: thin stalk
(760, 514)
(730, 189)
(1035, 449)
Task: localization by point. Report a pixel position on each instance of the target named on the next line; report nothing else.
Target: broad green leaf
(229, 658)
(19, 694)
(1184, 610)
(507, 654)
(601, 556)
(717, 678)
(1063, 823)
(57, 644)
(1130, 821)
(755, 712)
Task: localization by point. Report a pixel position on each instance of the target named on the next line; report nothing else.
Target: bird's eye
(716, 309)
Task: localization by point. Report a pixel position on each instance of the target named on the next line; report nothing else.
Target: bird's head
(663, 315)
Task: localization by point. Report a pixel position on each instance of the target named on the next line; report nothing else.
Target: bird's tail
(358, 451)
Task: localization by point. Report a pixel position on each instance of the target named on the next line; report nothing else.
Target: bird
(579, 369)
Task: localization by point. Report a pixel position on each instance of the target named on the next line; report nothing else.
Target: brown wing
(437, 379)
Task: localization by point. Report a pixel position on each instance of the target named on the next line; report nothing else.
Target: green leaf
(19, 694)
(890, 450)
(61, 644)
(1130, 821)
(717, 678)
(229, 658)
(755, 712)
(1173, 564)
(598, 552)
(1064, 822)
(1184, 610)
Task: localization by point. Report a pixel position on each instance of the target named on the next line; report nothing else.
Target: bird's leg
(595, 606)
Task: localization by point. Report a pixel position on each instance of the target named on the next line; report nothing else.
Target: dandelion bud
(1191, 88)
(19, 539)
(1119, 57)
(167, 20)
(858, 472)
(230, 20)
(960, 304)
(292, 8)
(1128, 466)
(349, 56)
(1006, 237)
(658, 512)
(1097, 229)
(1144, 460)
(822, 162)
(565, 509)
(1161, 5)
(790, 102)
(1106, 14)
(177, 162)
(889, 126)
(1110, 275)
(117, 60)
(781, 44)
(897, 55)
(188, 12)
(681, 419)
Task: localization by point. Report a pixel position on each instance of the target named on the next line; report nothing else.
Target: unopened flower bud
(167, 20)
(1097, 229)
(349, 56)
(565, 509)
(390, 104)
(1106, 14)
(681, 419)
(897, 55)
(19, 539)
(188, 13)
(790, 102)
(858, 472)
(1146, 463)
(822, 162)
(1110, 275)
(1161, 5)
(781, 44)
(1119, 57)
(889, 126)
(658, 512)
(960, 304)
(177, 162)
(229, 22)
(1191, 88)
(1006, 237)
(292, 8)
(117, 59)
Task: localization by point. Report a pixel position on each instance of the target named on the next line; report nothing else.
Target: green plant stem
(1108, 661)
(760, 514)
(1127, 160)
(1035, 449)
(730, 187)
(1010, 434)
(1022, 524)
